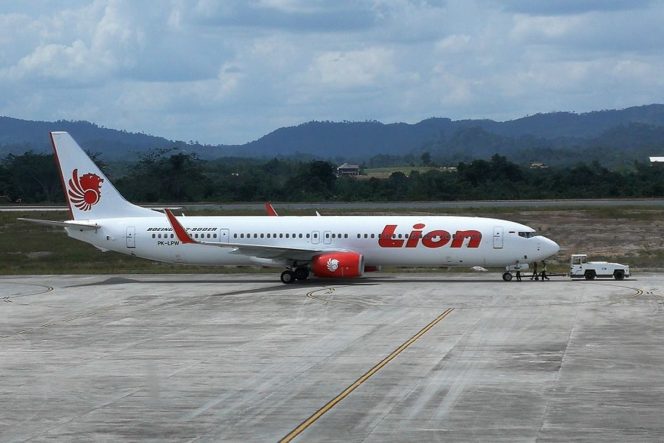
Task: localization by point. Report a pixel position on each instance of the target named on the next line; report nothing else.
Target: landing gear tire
(507, 276)
(288, 277)
(301, 273)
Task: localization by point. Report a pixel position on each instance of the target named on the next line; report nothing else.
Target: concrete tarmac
(394, 357)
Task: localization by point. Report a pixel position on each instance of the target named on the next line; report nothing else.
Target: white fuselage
(413, 241)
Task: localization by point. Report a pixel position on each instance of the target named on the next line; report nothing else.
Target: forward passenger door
(498, 232)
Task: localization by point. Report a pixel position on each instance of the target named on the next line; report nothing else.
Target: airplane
(331, 246)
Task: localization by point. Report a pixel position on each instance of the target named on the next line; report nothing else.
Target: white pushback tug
(580, 267)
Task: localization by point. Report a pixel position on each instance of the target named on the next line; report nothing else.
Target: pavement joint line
(329, 405)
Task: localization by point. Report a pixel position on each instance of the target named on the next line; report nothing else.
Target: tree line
(162, 176)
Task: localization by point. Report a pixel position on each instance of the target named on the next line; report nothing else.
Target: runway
(394, 357)
(388, 205)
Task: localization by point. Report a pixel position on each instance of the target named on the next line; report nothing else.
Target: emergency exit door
(224, 234)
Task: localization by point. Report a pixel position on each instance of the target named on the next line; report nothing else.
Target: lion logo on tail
(85, 191)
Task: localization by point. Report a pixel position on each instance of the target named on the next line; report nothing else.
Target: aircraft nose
(549, 247)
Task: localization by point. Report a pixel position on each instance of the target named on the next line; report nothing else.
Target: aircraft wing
(63, 224)
(268, 208)
(261, 251)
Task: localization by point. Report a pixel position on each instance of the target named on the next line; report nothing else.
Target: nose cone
(549, 247)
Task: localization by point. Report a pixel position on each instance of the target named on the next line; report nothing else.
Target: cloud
(229, 72)
(351, 69)
(570, 7)
(291, 15)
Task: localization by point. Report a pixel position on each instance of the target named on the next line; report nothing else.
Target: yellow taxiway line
(318, 414)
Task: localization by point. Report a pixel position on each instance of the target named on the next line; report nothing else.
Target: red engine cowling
(338, 264)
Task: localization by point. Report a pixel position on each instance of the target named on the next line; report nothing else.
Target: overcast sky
(232, 71)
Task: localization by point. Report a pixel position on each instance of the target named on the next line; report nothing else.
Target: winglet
(270, 210)
(179, 230)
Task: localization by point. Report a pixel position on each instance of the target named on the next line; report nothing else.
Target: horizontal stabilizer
(63, 224)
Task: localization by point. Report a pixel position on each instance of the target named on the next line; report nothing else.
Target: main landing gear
(290, 276)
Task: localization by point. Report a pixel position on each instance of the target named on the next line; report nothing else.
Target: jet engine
(338, 264)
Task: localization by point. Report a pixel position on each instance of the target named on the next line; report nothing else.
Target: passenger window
(372, 235)
(300, 235)
(268, 236)
(153, 235)
(308, 235)
(345, 235)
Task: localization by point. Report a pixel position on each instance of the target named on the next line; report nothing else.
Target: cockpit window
(527, 234)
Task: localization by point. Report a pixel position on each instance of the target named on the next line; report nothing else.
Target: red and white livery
(333, 246)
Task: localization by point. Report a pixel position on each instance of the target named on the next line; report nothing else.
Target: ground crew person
(544, 277)
(535, 275)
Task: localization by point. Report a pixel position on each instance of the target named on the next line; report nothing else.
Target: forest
(164, 176)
